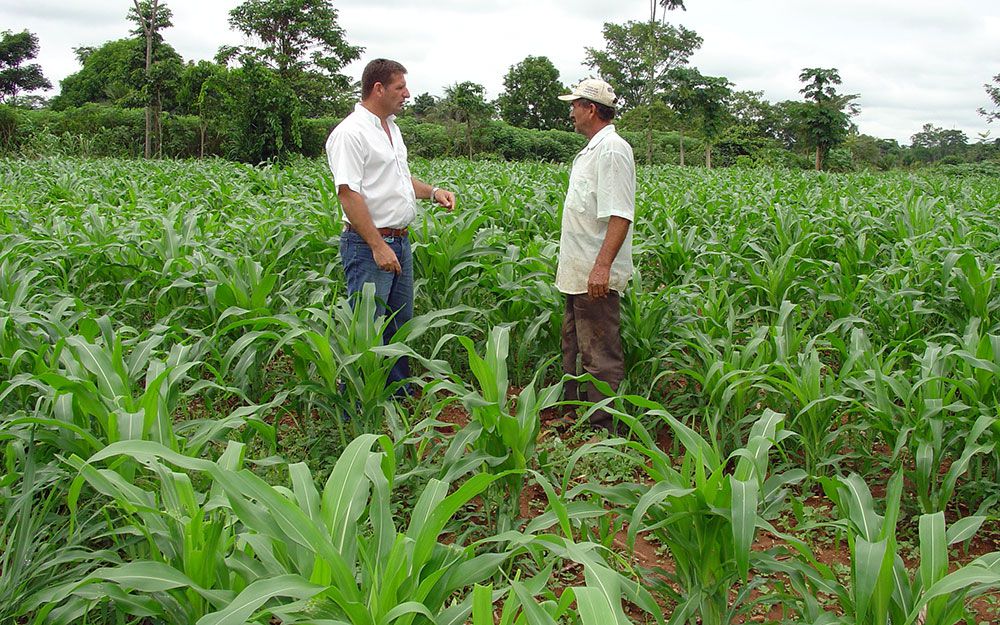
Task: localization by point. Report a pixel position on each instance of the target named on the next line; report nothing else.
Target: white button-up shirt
(601, 185)
(362, 157)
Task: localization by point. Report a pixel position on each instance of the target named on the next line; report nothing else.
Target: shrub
(314, 134)
(425, 139)
(9, 123)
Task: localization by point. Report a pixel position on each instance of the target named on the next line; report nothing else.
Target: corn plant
(776, 276)
(345, 350)
(707, 515)
(332, 554)
(974, 284)
(504, 428)
(527, 300)
(42, 546)
(728, 376)
(921, 412)
(645, 315)
(88, 387)
(184, 303)
(816, 406)
(442, 270)
(881, 590)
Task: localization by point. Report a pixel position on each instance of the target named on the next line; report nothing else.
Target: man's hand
(597, 283)
(444, 198)
(386, 259)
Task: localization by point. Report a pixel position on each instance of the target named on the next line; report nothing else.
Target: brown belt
(385, 232)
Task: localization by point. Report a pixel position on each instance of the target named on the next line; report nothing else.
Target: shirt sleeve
(345, 155)
(615, 186)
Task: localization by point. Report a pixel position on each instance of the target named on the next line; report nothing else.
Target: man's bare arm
(361, 220)
(600, 275)
(423, 191)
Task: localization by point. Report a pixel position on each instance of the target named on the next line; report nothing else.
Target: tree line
(265, 102)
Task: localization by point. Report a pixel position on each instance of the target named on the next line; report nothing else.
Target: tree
(993, 91)
(303, 43)
(15, 76)
(263, 117)
(868, 151)
(699, 101)
(666, 5)
(151, 17)
(423, 105)
(531, 96)
(755, 128)
(637, 119)
(712, 99)
(933, 143)
(465, 103)
(115, 74)
(638, 58)
(202, 92)
(824, 118)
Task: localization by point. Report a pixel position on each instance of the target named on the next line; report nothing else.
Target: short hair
(379, 70)
(604, 112)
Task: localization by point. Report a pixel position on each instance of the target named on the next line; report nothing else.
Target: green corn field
(196, 427)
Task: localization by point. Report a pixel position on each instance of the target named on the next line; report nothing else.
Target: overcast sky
(911, 61)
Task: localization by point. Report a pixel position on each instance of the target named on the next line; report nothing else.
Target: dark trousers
(591, 331)
(393, 292)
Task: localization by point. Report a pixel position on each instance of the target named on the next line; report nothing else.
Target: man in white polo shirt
(368, 161)
(595, 247)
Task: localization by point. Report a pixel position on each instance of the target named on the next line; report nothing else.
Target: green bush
(982, 168)
(264, 122)
(666, 148)
(100, 130)
(425, 139)
(519, 144)
(314, 134)
(9, 125)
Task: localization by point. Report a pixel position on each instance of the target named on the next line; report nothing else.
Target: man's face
(581, 111)
(395, 93)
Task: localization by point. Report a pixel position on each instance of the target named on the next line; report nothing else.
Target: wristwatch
(434, 191)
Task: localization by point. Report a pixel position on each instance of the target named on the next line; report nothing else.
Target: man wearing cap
(595, 246)
(368, 161)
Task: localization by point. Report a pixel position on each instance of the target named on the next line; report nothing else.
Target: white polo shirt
(601, 185)
(362, 157)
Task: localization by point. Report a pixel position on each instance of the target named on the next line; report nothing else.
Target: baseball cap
(593, 89)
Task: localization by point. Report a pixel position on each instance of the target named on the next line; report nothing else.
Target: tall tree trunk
(201, 132)
(149, 122)
(682, 147)
(651, 54)
(147, 150)
(819, 159)
(708, 156)
(158, 124)
(148, 27)
(649, 140)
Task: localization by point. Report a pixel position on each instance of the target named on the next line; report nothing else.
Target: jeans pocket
(346, 250)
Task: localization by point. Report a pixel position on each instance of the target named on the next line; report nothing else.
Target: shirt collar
(597, 138)
(372, 117)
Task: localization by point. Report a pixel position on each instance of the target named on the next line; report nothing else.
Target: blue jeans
(393, 292)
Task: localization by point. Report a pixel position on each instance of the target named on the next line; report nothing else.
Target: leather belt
(385, 232)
